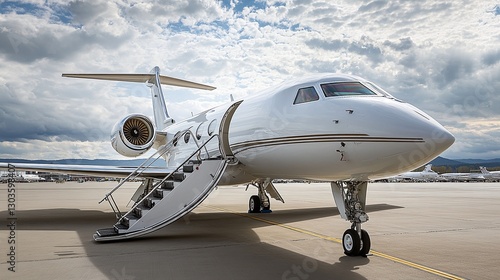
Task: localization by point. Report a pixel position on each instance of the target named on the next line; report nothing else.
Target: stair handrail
(160, 152)
(155, 186)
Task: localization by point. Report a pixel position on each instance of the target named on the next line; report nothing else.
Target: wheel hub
(348, 242)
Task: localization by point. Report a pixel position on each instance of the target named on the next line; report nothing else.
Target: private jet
(30, 177)
(490, 175)
(425, 175)
(463, 177)
(324, 127)
(20, 177)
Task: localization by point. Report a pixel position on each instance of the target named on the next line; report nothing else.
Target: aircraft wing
(90, 170)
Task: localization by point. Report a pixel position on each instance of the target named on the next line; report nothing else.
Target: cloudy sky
(443, 57)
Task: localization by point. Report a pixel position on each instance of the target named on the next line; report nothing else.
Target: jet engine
(133, 136)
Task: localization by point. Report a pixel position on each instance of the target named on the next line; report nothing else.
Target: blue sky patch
(20, 8)
(240, 5)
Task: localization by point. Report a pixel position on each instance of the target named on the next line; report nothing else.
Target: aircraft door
(224, 129)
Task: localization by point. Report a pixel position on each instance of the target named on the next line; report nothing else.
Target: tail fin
(154, 81)
(162, 119)
(484, 170)
(428, 168)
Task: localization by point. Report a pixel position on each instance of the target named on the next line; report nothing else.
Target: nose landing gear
(350, 198)
(354, 245)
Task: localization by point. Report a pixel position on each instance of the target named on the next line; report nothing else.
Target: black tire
(269, 206)
(254, 204)
(365, 243)
(351, 242)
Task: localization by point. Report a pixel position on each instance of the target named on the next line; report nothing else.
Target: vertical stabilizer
(162, 119)
(428, 168)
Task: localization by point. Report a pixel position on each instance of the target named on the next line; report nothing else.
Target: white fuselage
(464, 176)
(417, 176)
(352, 137)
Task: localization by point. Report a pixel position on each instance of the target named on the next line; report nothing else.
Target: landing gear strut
(350, 198)
(260, 203)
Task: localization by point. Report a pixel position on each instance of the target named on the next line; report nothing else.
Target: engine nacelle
(133, 136)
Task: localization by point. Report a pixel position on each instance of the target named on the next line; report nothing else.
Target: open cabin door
(224, 130)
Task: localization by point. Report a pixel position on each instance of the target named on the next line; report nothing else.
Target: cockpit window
(378, 89)
(346, 89)
(306, 95)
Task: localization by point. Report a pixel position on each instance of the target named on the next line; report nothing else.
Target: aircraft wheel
(365, 243)
(254, 204)
(351, 242)
(268, 208)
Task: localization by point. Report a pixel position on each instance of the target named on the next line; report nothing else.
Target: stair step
(106, 232)
(168, 185)
(178, 176)
(119, 227)
(189, 168)
(150, 202)
(137, 212)
(127, 220)
(158, 193)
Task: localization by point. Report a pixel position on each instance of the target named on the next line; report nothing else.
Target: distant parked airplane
(489, 175)
(426, 175)
(21, 177)
(463, 176)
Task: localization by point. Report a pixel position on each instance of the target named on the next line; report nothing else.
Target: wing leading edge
(89, 170)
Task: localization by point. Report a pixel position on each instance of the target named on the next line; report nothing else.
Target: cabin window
(187, 136)
(345, 89)
(306, 95)
(176, 138)
(198, 131)
(211, 127)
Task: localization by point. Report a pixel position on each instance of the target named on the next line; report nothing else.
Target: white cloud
(441, 57)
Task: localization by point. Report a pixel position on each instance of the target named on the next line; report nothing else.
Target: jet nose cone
(441, 139)
(447, 139)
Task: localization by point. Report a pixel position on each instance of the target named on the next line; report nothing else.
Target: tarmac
(418, 231)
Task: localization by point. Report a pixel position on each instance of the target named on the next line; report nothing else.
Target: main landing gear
(260, 203)
(350, 198)
(256, 205)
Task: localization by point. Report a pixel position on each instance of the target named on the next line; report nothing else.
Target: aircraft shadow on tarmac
(203, 246)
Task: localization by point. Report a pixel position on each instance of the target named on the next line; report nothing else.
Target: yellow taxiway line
(337, 240)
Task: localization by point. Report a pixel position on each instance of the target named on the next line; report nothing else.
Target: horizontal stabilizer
(141, 78)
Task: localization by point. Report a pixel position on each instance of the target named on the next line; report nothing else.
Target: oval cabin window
(211, 127)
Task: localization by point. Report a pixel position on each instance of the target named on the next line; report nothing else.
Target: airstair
(160, 203)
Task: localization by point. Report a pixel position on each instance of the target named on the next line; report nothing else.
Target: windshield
(378, 89)
(346, 89)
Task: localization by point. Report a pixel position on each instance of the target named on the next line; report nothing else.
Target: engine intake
(133, 136)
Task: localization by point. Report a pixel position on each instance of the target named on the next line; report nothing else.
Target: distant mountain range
(439, 161)
(473, 163)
